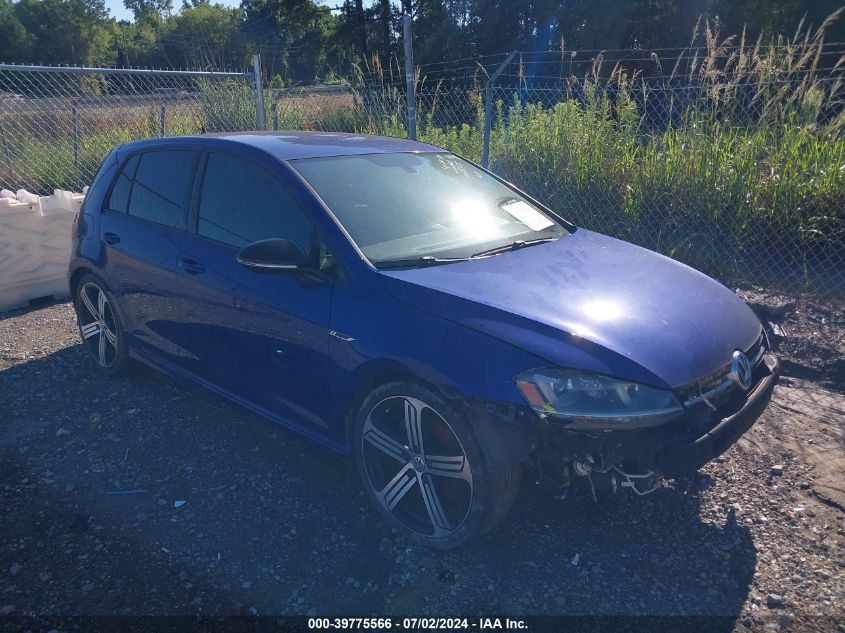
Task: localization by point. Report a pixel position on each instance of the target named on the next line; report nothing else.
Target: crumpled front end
(717, 412)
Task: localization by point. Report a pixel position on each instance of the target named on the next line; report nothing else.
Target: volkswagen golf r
(394, 301)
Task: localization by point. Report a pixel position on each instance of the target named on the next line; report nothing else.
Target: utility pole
(409, 77)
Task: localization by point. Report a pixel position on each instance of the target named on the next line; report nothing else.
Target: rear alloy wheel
(423, 469)
(99, 326)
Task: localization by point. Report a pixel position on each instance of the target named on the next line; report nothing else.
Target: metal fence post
(261, 119)
(74, 131)
(488, 110)
(275, 108)
(409, 77)
(161, 128)
(6, 151)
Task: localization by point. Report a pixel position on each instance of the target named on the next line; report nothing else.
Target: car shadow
(93, 470)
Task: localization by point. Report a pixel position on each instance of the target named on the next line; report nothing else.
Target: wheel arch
(378, 373)
(76, 276)
(505, 440)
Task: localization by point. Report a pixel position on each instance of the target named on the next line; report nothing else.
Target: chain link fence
(744, 180)
(732, 179)
(57, 124)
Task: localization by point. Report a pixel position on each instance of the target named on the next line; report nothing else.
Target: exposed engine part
(555, 474)
(650, 479)
(583, 466)
(616, 478)
(565, 478)
(593, 489)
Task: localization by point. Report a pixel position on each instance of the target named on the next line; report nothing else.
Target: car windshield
(424, 206)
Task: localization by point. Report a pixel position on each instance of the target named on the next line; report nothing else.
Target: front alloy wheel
(423, 469)
(417, 465)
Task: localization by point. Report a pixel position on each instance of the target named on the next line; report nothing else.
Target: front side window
(409, 206)
(242, 203)
(162, 186)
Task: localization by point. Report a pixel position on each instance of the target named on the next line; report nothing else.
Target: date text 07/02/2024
(413, 624)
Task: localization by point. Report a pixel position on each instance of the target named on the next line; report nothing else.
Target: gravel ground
(142, 495)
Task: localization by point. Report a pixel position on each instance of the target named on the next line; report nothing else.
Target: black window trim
(107, 198)
(118, 173)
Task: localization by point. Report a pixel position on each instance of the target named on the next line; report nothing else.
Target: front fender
(398, 340)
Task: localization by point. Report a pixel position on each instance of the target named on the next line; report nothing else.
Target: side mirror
(278, 253)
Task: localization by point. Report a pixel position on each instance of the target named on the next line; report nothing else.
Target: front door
(262, 336)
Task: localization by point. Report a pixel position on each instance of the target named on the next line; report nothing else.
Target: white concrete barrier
(35, 245)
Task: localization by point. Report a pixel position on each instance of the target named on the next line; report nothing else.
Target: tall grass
(746, 171)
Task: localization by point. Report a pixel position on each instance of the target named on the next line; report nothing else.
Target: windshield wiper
(411, 262)
(428, 260)
(516, 245)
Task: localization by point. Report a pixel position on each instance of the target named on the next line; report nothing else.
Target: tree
(361, 29)
(439, 35)
(300, 39)
(17, 44)
(146, 9)
(292, 34)
(385, 16)
(69, 31)
(773, 17)
(205, 35)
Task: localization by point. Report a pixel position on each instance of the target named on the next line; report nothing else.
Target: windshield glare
(407, 206)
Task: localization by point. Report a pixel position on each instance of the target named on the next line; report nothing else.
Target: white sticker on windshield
(529, 216)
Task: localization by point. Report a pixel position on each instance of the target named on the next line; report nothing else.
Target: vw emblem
(419, 464)
(740, 373)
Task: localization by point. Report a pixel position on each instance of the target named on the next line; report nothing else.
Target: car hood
(592, 302)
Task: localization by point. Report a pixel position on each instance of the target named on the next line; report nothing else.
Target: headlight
(585, 400)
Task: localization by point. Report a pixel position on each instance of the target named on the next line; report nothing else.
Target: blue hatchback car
(394, 301)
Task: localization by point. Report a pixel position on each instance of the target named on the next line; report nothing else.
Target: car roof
(294, 144)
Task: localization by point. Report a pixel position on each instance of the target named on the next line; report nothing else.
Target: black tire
(106, 346)
(434, 484)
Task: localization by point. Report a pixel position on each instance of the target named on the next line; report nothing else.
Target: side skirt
(169, 368)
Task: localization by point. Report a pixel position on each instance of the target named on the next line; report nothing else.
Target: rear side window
(119, 197)
(242, 203)
(161, 187)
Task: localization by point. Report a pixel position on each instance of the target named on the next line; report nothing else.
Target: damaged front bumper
(639, 459)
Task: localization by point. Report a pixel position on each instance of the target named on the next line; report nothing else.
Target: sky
(120, 12)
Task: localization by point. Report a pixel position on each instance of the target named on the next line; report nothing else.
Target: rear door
(262, 336)
(143, 218)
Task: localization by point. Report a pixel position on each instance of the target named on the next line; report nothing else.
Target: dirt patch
(808, 334)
